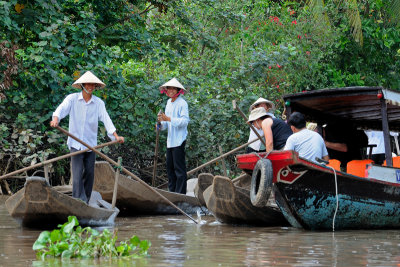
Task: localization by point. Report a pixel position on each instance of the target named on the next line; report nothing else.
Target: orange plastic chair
(396, 162)
(358, 167)
(334, 163)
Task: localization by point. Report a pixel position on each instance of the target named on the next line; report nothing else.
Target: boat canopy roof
(361, 106)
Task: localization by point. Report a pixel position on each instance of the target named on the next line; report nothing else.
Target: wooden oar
(41, 164)
(220, 157)
(125, 171)
(216, 159)
(245, 118)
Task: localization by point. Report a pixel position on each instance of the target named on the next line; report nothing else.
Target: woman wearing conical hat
(269, 106)
(176, 120)
(84, 110)
(276, 131)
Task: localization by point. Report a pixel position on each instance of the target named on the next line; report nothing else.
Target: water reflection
(178, 241)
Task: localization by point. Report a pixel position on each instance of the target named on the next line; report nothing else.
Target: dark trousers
(176, 169)
(83, 175)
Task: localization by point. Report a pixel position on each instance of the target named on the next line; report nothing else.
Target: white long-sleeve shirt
(84, 119)
(178, 111)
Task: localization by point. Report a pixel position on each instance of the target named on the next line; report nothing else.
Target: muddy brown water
(178, 241)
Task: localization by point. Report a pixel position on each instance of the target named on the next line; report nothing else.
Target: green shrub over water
(73, 241)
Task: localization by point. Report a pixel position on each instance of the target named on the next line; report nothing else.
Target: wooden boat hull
(306, 195)
(133, 198)
(40, 205)
(204, 180)
(231, 204)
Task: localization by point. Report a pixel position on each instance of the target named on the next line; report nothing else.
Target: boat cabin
(361, 108)
(317, 197)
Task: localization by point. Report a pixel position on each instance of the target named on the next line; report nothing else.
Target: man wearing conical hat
(269, 107)
(176, 120)
(84, 110)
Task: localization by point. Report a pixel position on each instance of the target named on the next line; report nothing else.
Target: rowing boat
(40, 205)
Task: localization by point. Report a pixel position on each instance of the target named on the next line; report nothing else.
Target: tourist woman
(276, 131)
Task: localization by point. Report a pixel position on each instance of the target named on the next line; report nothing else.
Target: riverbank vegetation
(219, 50)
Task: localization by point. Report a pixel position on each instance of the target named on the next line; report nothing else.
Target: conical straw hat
(257, 113)
(172, 83)
(262, 100)
(88, 77)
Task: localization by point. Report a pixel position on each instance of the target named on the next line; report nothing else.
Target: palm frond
(353, 14)
(393, 11)
(319, 15)
(317, 10)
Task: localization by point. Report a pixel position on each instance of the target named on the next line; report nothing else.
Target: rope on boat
(337, 199)
(258, 155)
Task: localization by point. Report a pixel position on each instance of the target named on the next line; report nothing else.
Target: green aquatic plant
(73, 241)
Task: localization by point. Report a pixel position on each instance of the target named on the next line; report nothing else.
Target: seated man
(309, 144)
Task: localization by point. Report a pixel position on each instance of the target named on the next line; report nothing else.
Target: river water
(178, 241)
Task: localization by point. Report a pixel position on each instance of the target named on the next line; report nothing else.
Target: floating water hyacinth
(73, 241)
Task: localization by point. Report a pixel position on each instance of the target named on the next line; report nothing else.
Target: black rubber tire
(261, 183)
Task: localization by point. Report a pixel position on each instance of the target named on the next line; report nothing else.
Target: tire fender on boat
(261, 183)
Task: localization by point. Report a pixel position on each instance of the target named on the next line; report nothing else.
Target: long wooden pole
(153, 180)
(220, 157)
(116, 178)
(216, 159)
(245, 118)
(222, 161)
(125, 171)
(40, 164)
(5, 182)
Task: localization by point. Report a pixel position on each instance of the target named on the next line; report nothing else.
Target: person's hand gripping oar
(125, 171)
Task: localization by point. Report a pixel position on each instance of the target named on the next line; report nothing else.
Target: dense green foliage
(73, 241)
(219, 50)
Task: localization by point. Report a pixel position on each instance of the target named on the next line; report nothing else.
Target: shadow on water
(178, 241)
